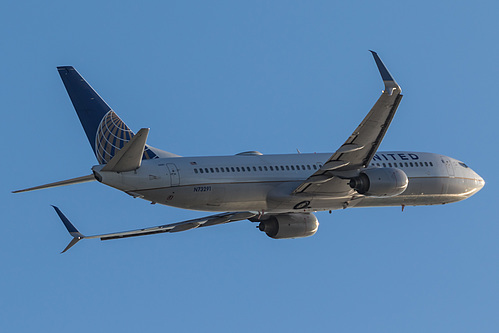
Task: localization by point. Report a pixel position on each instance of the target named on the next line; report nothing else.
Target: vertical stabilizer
(106, 132)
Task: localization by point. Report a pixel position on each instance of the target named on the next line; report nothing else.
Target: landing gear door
(174, 175)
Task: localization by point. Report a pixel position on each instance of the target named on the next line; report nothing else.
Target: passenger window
(314, 166)
(265, 168)
(222, 169)
(201, 170)
(195, 170)
(216, 170)
(271, 168)
(431, 164)
(260, 168)
(308, 166)
(410, 163)
(406, 164)
(233, 170)
(292, 167)
(212, 171)
(254, 168)
(426, 163)
(287, 167)
(384, 165)
(238, 169)
(390, 165)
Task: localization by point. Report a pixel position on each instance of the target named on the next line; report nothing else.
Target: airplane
(280, 192)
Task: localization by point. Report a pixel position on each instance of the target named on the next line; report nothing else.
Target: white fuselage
(264, 183)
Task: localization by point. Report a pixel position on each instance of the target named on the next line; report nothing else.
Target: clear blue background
(218, 78)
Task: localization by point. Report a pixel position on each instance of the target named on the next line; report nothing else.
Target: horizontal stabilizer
(72, 181)
(129, 157)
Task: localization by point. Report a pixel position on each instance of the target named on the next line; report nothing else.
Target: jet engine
(287, 226)
(380, 182)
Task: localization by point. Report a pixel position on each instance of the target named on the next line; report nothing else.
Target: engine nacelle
(380, 182)
(290, 226)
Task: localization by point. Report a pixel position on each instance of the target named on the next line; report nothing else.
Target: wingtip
(69, 226)
(71, 244)
(63, 68)
(390, 83)
(77, 236)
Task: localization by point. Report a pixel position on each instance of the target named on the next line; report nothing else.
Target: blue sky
(218, 78)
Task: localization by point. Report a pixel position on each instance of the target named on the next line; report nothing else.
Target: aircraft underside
(265, 197)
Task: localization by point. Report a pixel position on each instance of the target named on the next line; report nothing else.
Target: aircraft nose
(479, 182)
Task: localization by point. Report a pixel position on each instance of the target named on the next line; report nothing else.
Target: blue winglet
(385, 74)
(77, 236)
(388, 79)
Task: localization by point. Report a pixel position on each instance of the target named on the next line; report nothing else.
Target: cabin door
(174, 175)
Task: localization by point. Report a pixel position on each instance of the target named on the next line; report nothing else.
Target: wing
(172, 227)
(358, 150)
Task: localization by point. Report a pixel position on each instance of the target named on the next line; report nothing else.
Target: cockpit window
(463, 165)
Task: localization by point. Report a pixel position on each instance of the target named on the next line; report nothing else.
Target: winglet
(77, 236)
(390, 84)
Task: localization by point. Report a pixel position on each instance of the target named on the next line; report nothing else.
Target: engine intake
(290, 226)
(380, 182)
